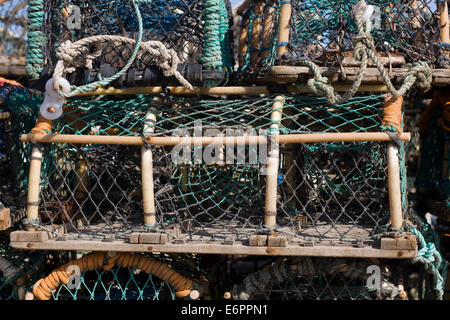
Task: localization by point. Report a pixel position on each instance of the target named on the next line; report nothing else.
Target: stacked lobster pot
(13, 27)
(141, 145)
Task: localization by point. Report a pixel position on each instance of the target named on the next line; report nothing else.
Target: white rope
(76, 54)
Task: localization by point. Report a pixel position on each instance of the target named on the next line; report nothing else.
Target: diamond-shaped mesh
(323, 31)
(305, 278)
(326, 191)
(122, 282)
(13, 28)
(190, 28)
(336, 192)
(20, 269)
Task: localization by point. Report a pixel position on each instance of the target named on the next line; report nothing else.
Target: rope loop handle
(419, 74)
(77, 54)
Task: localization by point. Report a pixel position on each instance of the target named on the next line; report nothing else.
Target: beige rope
(76, 54)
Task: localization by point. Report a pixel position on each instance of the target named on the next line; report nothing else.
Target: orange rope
(392, 113)
(44, 287)
(3, 81)
(43, 126)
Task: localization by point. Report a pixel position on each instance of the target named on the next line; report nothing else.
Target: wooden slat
(210, 248)
(291, 74)
(238, 140)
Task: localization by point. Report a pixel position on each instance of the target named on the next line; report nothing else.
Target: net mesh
(324, 32)
(13, 27)
(128, 283)
(198, 32)
(433, 179)
(333, 279)
(20, 269)
(326, 191)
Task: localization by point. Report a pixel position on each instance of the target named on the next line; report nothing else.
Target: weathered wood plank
(211, 248)
(29, 236)
(291, 74)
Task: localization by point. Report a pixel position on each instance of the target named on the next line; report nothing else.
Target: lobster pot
(307, 278)
(20, 109)
(195, 32)
(13, 28)
(173, 175)
(284, 32)
(204, 192)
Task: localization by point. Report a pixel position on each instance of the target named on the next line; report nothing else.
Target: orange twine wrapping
(44, 288)
(392, 113)
(43, 126)
(12, 82)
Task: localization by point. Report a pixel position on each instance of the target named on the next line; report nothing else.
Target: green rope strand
(36, 38)
(106, 81)
(212, 53)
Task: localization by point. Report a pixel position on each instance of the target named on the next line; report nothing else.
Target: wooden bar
(256, 32)
(250, 91)
(283, 28)
(268, 30)
(292, 249)
(243, 40)
(34, 180)
(270, 217)
(443, 22)
(243, 7)
(148, 196)
(172, 141)
(395, 195)
(372, 80)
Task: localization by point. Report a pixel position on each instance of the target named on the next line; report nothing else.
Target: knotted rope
(71, 55)
(364, 49)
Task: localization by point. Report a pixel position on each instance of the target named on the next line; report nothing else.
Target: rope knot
(362, 43)
(423, 74)
(320, 86)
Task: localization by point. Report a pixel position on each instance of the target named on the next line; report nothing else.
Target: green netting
(324, 31)
(24, 105)
(304, 278)
(197, 31)
(122, 283)
(95, 190)
(431, 178)
(28, 265)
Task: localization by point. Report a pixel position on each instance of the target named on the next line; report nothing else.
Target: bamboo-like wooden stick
(250, 91)
(268, 30)
(243, 40)
(443, 20)
(243, 7)
(148, 195)
(256, 32)
(283, 29)
(172, 141)
(34, 180)
(273, 161)
(395, 196)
